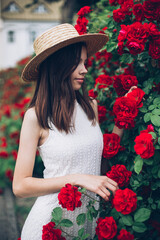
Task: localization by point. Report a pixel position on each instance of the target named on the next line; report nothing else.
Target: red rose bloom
(118, 15)
(150, 10)
(9, 174)
(154, 49)
(144, 145)
(120, 174)
(103, 81)
(154, 33)
(123, 33)
(111, 144)
(138, 32)
(92, 93)
(84, 11)
(125, 201)
(128, 81)
(3, 141)
(138, 12)
(137, 94)
(50, 233)
(124, 235)
(102, 113)
(125, 110)
(106, 228)
(135, 47)
(4, 154)
(69, 197)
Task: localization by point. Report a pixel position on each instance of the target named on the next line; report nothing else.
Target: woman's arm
(24, 185)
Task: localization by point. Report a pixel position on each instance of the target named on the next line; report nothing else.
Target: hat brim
(93, 41)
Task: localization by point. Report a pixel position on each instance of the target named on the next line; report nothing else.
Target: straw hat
(55, 39)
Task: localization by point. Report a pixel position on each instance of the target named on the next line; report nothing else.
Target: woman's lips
(79, 80)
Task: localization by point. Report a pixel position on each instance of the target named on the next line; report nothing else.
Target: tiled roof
(20, 12)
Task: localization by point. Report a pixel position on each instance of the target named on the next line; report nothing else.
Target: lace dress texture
(77, 152)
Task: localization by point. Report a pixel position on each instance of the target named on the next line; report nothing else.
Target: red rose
(111, 144)
(150, 128)
(144, 145)
(14, 154)
(106, 228)
(137, 94)
(120, 174)
(118, 15)
(92, 93)
(150, 10)
(120, 48)
(9, 174)
(123, 33)
(50, 233)
(138, 32)
(3, 142)
(103, 81)
(154, 49)
(113, 2)
(128, 81)
(4, 154)
(138, 12)
(81, 25)
(135, 47)
(84, 11)
(104, 55)
(7, 110)
(117, 84)
(125, 201)
(69, 197)
(125, 110)
(124, 235)
(102, 113)
(153, 31)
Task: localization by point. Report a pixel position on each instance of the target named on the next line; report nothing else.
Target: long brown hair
(54, 97)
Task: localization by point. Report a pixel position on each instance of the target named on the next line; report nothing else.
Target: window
(40, 9)
(12, 8)
(11, 36)
(32, 36)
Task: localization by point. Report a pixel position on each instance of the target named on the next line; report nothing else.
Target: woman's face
(77, 77)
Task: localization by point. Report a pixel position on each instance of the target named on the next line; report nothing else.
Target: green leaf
(81, 232)
(154, 136)
(126, 58)
(142, 215)
(155, 120)
(89, 216)
(148, 161)
(114, 214)
(86, 236)
(151, 107)
(127, 220)
(57, 214)
(156, 101)
(156, 111)
(139, 227)
(81, 218)
(159, 173)
(82, 190)
(143, 109)
(66, 223)
(138, 164)
(147, 117)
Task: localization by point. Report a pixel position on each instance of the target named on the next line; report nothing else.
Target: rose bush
(130, 58)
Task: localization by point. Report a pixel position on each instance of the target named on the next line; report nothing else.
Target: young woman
(62, 121)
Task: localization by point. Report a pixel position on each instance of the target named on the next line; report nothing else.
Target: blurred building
(19, 26)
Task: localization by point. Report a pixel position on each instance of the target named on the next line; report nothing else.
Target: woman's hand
(130, 90)
(97, 184)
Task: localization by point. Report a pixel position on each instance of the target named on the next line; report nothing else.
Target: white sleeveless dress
(62, 154)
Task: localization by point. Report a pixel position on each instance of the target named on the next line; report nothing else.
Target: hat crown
(54, 36)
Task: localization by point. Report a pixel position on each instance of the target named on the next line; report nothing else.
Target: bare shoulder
(30, 121)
